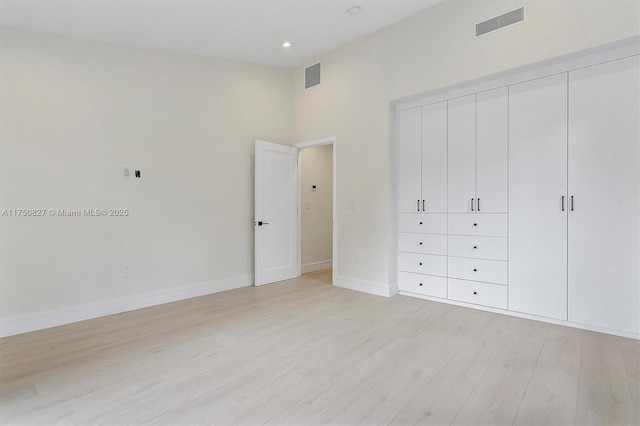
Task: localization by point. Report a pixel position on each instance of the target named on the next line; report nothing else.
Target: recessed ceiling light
(354, 10)
(286, 44)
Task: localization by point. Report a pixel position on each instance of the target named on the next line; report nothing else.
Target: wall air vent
(312, 76)
(502, 21)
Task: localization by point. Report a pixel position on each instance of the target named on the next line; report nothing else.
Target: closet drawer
(489, 271)
(491, 225)
(493, 248)
(423, 264)
(423, 243)
(478, 293)
(427, 285)
(423, 223)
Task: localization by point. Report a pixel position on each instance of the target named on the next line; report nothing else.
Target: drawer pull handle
(420, 223)
(475, 292)
(420, 284)
(420, 243)
(475, 247)
(475, 270)
(475, 224)
(420, 263)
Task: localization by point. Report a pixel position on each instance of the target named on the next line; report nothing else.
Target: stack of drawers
(477, 259)
(461, 257)
(422, 257)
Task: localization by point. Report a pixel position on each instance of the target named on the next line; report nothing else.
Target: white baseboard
(39, 321)
(379, 289)
(316, 266)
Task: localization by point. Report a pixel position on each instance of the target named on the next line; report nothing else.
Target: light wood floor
(305, 352)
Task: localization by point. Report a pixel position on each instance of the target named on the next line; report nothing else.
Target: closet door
(537, 185)
(434, 157)
(492, 147)
(409, 161)
(462, 154)
(604, 229)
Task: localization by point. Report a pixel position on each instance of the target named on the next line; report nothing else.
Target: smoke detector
(354, 10)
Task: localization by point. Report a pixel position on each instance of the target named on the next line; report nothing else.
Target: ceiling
(244, 30)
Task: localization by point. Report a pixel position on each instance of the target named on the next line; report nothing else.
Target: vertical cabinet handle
(472, 204)
(423, 209)
(418, 206)
(478, 204)
(563, 203)
(572, 209)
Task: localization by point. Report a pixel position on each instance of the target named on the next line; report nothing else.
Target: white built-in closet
(523, 194)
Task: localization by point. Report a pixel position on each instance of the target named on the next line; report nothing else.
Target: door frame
(333, 141)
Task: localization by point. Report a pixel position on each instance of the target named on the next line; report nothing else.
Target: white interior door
(462, 154)
(409, 130)
(434, 158)
(538, 197)
(276, 217)
(604, 186)
(492, 151)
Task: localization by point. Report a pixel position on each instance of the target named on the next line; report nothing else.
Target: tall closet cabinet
(525, 196)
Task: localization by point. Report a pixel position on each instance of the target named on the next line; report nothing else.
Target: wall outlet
(127, 172)
(356, 258)
(126, 271)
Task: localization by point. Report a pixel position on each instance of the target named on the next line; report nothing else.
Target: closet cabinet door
(604, 228)
(462, 154)
(492, 147)
(434, 157)
(409, 161)
(537, 183)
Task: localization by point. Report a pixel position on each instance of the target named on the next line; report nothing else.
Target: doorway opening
(317, 224)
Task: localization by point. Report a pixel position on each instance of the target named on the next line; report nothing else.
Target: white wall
(431, 50)
(316, 166)
(73, 114)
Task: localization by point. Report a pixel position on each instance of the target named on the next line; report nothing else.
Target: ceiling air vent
(312, 76)
(502, 21)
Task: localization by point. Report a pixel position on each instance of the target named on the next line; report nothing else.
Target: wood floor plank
(417, 361)
(497, 396)
(439, 400)
(551, 395)
(604, 396)
(631, 354)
